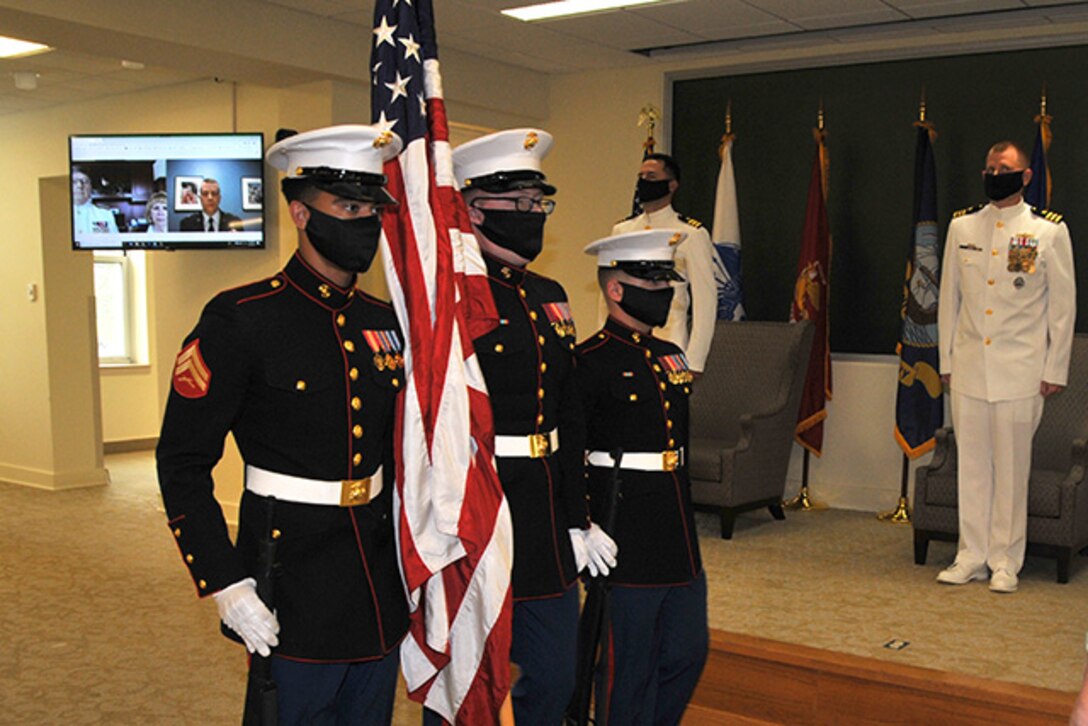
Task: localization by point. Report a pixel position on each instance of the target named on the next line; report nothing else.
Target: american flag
(453, 523)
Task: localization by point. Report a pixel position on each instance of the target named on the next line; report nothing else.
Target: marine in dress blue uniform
(303, 369)
(528, 362)
(635, 390)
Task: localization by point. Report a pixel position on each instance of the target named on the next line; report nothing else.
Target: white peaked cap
(513, 150)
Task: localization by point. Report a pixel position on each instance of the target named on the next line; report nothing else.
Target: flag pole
(901, 515)
(803, 502)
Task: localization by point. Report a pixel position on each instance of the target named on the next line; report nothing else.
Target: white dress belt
(531, 446)
(344, 493)
(668, 460)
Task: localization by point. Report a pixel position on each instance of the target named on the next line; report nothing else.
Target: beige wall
(35, 147)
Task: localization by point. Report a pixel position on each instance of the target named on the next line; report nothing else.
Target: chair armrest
(944, 450)
(1079, 454)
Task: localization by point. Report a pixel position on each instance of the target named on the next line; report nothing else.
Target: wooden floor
(750, 680)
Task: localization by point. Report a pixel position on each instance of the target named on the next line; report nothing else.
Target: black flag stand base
(802, 502)
(901, 514)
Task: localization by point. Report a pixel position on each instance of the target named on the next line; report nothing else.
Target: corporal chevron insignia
(192, 377)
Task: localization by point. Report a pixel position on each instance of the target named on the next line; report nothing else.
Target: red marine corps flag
(453, 525)
(810, 301)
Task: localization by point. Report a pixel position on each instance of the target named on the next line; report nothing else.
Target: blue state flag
(1038, 192)
(919, 408)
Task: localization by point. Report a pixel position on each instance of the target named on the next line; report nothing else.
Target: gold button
(687, 389)
(648, 354)
(668, 405)
(1000, 225)
(543, 367)
(532, 314)
(600, 335)
(540, 339)
(499, 347)
(987, 341)
(357, 459)
(189, 559)
(989, 311)
(357, 431)
(521, 292)
(356, 403)
(539, 419)
(990, 282)
(668, 424)
(177, 533)
(300, 385)
(672, 443)
(657, 368)
(353, 374)
(661, 385)
(203, 584)
(349, 346)
(276, 283)
(995, 253)
(276, 534)
(396, 383)
(340, 320)
(633, 397)
(540, 393)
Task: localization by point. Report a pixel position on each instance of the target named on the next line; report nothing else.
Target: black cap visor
(508, 181)
(651, 270)
(363, 186)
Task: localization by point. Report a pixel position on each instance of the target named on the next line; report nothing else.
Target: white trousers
(993, 445)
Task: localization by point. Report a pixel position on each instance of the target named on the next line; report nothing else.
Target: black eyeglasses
(521, 204)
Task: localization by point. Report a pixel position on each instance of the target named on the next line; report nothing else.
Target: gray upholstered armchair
(1057, 489)
(743, 413)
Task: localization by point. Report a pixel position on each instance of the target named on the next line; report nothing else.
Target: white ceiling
(81, 68)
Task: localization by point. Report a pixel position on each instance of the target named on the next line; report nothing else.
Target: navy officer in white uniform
(694, 308)
(1008, 303)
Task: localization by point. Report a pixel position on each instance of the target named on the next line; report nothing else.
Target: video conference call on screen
(169, 191)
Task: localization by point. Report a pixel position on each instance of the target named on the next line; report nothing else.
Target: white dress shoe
(1003, 581)
(960, 574)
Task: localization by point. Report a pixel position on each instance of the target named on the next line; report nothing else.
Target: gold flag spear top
(648, 117)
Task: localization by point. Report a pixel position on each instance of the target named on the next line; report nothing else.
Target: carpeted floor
(99, 623)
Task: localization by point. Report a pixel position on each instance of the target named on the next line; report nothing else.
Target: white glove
(578, 544)
(244, 613)
(600, 548)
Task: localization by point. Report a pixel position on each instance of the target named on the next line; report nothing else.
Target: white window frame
(134, 307)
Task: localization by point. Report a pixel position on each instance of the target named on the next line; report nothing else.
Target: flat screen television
(156, 191)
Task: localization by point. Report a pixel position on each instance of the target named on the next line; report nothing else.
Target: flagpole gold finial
(1042, 102)
(820, 116)
(922, 106)
(729, 117)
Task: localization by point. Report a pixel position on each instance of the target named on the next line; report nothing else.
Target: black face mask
(650, 190)
(520, 232)
(647, 306)
(350, 244)
(1002, 186)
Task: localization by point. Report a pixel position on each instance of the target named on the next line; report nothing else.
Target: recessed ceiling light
(14, 48)
(563, 8)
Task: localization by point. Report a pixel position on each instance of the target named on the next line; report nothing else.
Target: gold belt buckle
(670, 460)
(539, 446)
(354, 491)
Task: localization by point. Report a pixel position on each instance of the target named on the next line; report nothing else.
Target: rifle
(594, 614)
(261, 709)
